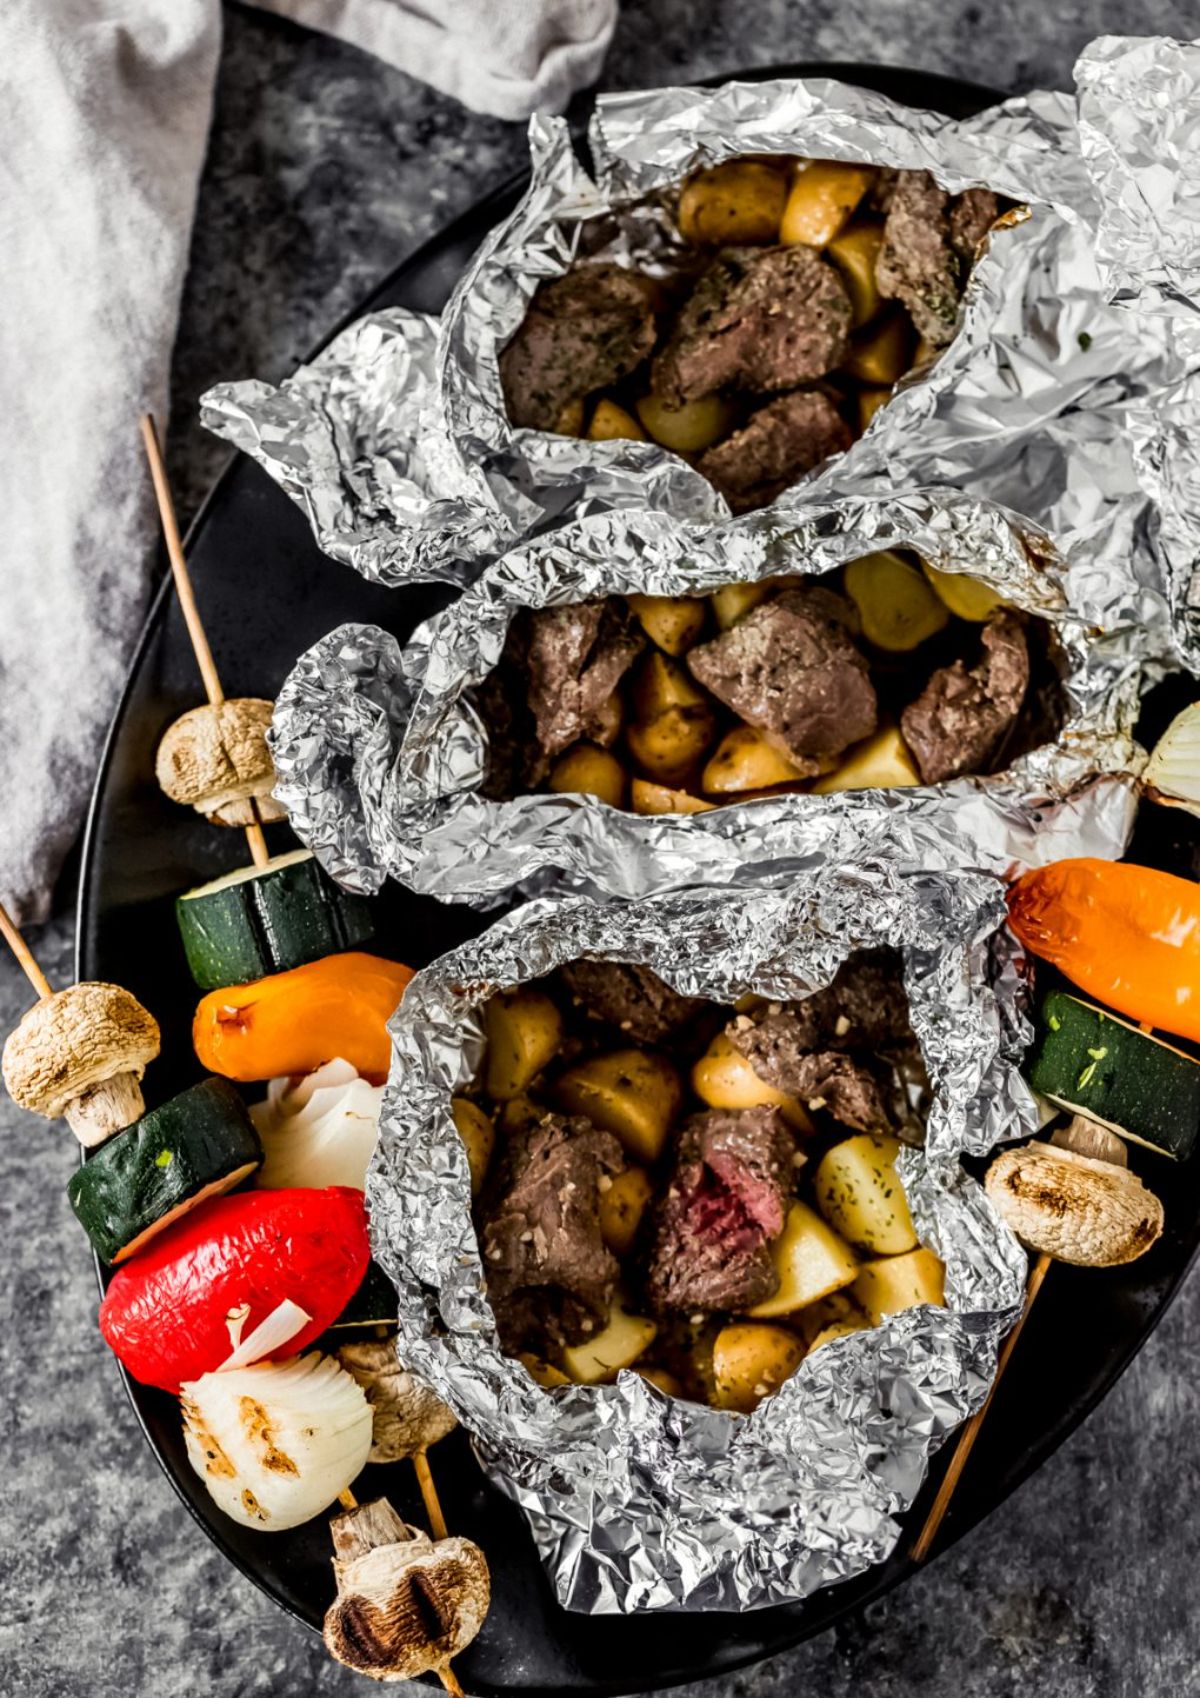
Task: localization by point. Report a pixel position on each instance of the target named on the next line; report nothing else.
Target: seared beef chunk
(582, 331)
(961, 717)
(760, 319)
(777, 445)
(722, 1211)
(577, 657)
(631, 998)
(929, 243)
(838, 1085)
(549, 1277)
(791, 669)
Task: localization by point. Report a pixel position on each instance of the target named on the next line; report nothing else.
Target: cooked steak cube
(722, 1211)
(791, 669)
(549, 1276)
(576, 658)
(582, 331)
(777, 445)
(832, 1082)
(631, 998)
(929, 244)
(759, 320)
(958, 722)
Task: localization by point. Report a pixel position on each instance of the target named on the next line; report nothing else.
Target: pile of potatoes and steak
(704, 1193)
(816, 286)
(886, 673)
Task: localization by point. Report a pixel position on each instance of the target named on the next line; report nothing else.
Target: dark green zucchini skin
(161, 1163)
(1087, 1059)
(284, 917)
(374, 1303)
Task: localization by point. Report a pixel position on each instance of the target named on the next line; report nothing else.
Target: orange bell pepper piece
(293, 1022)
(1129, 936)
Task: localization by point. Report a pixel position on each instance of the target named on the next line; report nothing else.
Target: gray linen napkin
(104, 113)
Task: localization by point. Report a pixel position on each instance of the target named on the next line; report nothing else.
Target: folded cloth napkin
(102, 136)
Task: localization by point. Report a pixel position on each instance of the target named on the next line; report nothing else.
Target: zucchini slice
(262, 920)
(1089, 1060)
(374, 1304)
(198, 1145)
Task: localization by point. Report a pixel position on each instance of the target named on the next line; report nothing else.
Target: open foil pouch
(643, 1501)
(1049, 400)
(380, 752)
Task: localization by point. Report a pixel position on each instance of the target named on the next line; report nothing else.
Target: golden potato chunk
(647, 798)
(630, 1092)
(882, 353)
(723, 1078)
(837, 1329)
(662, 1379)
(963, 595)
(741, 200)
(900, 1282)
(519, 1113)
(524, 1030)
(478, 1135)
(810, 1260)
(673, 622)
(855, 253)
(611, 423)
(733, 601)
(570, 419)
(586, 770)
(617, 1345)
(622, 1204)
(689, 428)
(881, 762)
(898, 608)
(859, 1194)
(670, 745)
(823, 198)
(661, 682)
(869, 403)
(744, 760)
(750, 1361)
(545, 1373)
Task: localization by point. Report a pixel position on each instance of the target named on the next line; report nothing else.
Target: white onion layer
(319, 1129)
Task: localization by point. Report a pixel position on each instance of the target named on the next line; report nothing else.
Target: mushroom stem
(24, 955)
(106, 1108)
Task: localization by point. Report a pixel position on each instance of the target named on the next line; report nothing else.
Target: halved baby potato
(661, 682)
(524, 1031)
(611, 423)
(586, 770)
(570, 418)
(741, 200)
(478, 1135)
(617, 1345)
(859, 1194)
(823, 198)
(666, 1382)
(622, 1205)
(723, 1078)
(673, 622)
(869, 403)
(648, 798)
(733, 601)
(689, 428)
(810, 1261)
(898, 608)
(881, 762)
(751, 1360)
(630, 1092)
(838, 1329)
(544, 1373)
(882, 353)
(855, 253)
(744, 760)
(668, 746)
(964, 595)
(900, 1282)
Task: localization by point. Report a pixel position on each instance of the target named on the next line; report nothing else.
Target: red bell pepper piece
(164, 1314)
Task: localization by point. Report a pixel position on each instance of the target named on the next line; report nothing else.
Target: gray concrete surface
(325, 168)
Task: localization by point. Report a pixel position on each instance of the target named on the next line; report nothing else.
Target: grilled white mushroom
(1088, 1138)
(1073, 1207)
(405, 1604)
(82, 1053)
(215, 759)
(408, 1417)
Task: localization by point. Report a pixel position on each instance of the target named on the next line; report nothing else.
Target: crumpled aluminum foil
(396, 443)
(379, 751)
(638, 1501)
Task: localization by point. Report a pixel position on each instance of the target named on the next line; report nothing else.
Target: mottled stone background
(325, 169)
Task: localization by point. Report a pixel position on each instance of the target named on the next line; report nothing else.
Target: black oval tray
(267, 593)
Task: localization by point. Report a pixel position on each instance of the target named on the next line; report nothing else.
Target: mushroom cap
(1072, 1207)
(407, 1416)
(403, 1607)
(217, 753)
(74, 1040)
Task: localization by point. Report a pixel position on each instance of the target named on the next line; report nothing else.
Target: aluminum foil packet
(1051, 400)
(380, 751)
(638, 1501)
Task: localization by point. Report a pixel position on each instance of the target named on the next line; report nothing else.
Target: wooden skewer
(429, 1494)
(970, 1432)
(450, 1681)
(24, 955)
(347, 1498)
(187, 601)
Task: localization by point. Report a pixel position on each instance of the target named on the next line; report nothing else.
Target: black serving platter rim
(792, 1623)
